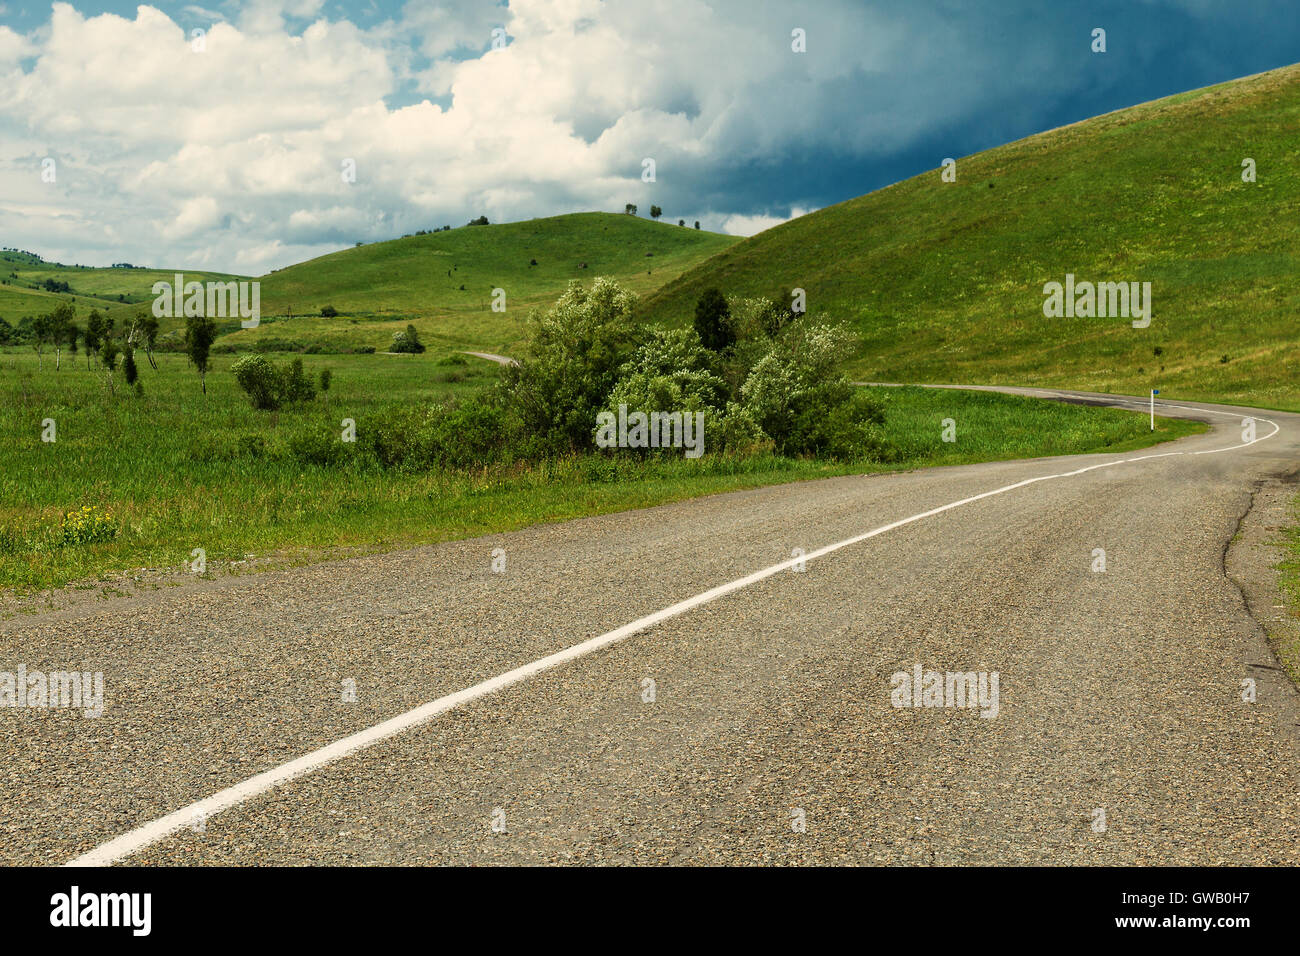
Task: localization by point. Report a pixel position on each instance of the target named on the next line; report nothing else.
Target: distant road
(491, 357)
(663, 686)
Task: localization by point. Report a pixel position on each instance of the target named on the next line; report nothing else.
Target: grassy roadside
(174, 471)
(1287, 645)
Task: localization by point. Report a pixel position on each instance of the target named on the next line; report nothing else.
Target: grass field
(944, 281)
(176, 471)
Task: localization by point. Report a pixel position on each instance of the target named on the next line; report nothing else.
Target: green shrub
(295, 385)
(575, 352)
(474, 434)
(395, 436)
(408, 341)
(260, 379)
(799, 398)
(324, 449)
(252, 446)
(736, 433)
(270, 387)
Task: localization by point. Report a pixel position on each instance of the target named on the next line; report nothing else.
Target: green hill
(944, 281)
(442, 282)
(30, 286)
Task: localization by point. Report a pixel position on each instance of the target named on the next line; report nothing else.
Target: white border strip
(128, 843)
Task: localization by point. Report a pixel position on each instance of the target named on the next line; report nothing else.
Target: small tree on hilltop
(713, 321)
(630, 209)
(200, 332)
(655, 213)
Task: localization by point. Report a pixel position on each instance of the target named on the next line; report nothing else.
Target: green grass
(379, 288)
(178, 471)
(944, 281)
(1287, 646)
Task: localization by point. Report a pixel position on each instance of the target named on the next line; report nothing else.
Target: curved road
(725, 707)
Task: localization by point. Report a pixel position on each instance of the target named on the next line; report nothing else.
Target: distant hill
(30, 286)
(442, 282)
(944, 281)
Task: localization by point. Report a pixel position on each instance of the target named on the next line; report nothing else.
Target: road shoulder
(1252, 561)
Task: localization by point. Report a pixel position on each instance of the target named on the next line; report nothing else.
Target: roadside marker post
(1154, 393)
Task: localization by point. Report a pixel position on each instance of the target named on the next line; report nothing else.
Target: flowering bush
(87, 525)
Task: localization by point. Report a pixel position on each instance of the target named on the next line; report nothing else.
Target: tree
(200, 332)
(96, 330)
(713, 321)
(329, 312)
(42, 328)
(129, 371)
(630, 209)
(144, 333)
(575, 351)
(681, 222)
(697, 224)
(61, 328)
(108, 353)
(655, 212)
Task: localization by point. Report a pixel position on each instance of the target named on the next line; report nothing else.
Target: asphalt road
(772, 736)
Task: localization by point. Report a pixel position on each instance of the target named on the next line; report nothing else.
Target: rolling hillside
(944, 281)
(24, 293)
(442, 282)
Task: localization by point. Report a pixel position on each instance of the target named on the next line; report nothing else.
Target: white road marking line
(132, 842)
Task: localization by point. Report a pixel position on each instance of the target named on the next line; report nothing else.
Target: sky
(291, 128)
